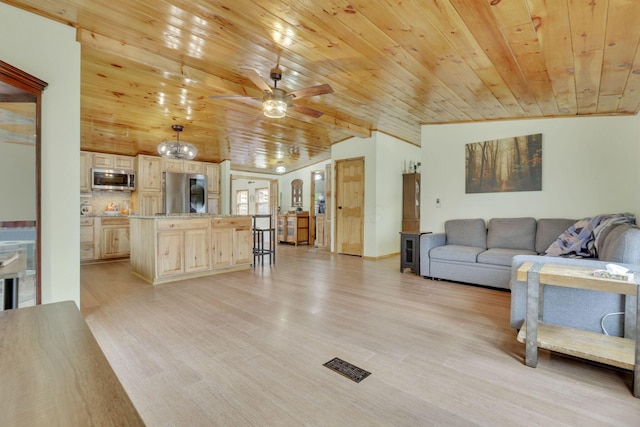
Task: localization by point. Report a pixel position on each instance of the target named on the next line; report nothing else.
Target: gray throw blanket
(581, 239)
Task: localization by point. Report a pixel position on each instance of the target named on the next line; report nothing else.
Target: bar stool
(264, 239)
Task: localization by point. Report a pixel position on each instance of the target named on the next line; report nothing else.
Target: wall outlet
(438, 203)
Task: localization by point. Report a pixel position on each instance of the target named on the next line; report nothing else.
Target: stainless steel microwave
(110, 179)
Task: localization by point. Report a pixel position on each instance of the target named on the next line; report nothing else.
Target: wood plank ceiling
(393, 65)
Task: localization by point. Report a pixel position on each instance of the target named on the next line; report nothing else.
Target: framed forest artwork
(508, 164)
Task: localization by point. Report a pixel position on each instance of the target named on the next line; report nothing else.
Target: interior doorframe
(312, 204)
(34, 86)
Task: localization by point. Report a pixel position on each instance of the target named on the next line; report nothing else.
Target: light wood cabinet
(170, 253)
(222, 247)
(102, 160)
(104, 238)
(113, 161)
(213, 204)
(168, 249)
(242, 246)
(86, 239)
(172, 165)
(147, 203)
(196, 250)
(149, 173)
(189, 166)
(296, 228)
(86, 162)
(281, 228)
(183, 246)
(212, 170)
(124, 162)
(231, 241)
(114, 238)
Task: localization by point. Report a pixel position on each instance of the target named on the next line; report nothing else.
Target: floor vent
(347, 369)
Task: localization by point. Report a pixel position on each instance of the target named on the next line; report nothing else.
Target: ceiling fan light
(274, 108)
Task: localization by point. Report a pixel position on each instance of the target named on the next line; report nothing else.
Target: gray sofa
(468, 252)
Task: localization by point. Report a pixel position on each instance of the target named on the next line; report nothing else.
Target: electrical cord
(604, 317)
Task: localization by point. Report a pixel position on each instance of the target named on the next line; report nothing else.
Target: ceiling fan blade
(257, 80)
(306, 110)
(239, 97)
(311, 91)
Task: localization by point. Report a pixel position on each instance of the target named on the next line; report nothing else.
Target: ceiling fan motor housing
(276, 75)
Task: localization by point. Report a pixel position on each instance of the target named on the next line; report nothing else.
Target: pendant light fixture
(280, 168)
(176, 149)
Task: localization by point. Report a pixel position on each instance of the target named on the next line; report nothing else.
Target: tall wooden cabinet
(411, 202)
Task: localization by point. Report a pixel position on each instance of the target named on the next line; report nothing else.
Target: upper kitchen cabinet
(193, 167)
(86, 162)
(112, 161)
(149, 173)
(213, 177)
(172, 165)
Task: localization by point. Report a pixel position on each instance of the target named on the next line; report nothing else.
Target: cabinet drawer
(86, 234)
(86, 251)
(115, 221)
(86, 221)
(239, 222)
(184, 224)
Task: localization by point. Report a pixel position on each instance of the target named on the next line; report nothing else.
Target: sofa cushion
(621, 244)
(500, 256)
(512, 233)
(466, 232)
(548, 230)
(456, 253)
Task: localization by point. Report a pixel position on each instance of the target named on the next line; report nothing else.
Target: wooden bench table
(54, 373)
(616, 351)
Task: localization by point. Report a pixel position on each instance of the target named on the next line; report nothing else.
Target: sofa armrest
(428, 242)
(573, 299)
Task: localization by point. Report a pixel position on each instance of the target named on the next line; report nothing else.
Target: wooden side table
(616, 351)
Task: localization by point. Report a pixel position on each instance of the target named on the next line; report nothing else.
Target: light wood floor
(247, 348)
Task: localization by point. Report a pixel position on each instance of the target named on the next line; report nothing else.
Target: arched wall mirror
(296, 193)
(20, 106)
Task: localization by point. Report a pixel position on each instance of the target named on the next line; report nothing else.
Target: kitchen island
(172, 247)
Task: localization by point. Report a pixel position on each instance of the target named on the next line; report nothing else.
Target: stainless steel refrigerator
(184, 192)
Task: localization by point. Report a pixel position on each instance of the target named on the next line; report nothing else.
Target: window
(262, 201)
(242, 202)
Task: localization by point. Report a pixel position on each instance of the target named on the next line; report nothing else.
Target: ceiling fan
(275, 101)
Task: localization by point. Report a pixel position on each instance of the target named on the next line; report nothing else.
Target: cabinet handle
(339, 207)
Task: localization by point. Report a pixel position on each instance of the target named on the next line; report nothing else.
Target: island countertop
(171, 247)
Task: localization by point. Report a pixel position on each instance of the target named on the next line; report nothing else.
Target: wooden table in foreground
(611, 350)
(54, 373)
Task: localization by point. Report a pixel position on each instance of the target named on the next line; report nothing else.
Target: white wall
(18, 178)
(385, 159)
(284, 186)
(48, 50)
(589, 167)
